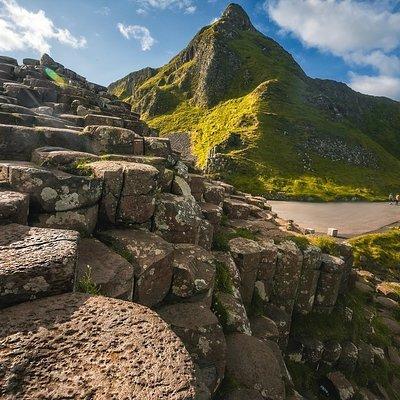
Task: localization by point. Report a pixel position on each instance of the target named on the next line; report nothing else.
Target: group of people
(394, 199)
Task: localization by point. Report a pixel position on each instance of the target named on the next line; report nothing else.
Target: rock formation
(92, 200)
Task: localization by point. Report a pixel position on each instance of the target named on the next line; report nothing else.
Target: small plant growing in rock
(86, 284)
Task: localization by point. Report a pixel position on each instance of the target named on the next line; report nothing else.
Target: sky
(353, 41)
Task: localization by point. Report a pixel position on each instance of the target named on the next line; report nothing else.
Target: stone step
(52, 190)
(112, 140)
(60, 158)
(7, 68)
(14, 207)
(8, 99)
(14, 108)
(25, 96)
(35, 262)
(79, 347)
(6, 75)
(18, 142)
(94, 119)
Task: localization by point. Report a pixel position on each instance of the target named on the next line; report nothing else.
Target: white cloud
(22, 29)
(103, 11)
(382, 85)
(188, 6)
(140, 33)
(365, 34)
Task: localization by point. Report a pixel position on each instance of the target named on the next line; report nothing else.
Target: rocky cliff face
(125, 273)
(233, 80)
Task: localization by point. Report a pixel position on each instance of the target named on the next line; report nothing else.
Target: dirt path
(351, 219)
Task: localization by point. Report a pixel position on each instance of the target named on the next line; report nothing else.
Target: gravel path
(351, 219)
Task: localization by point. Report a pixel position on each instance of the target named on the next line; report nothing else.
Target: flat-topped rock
(14, 207)
(110, 139)
(156, 146)
(253, 365)
(8, 60)
(18, 142)
(82, 220)
(52, 190)
(111, 273)
(202, 335)
(95, 119)
(194, 273)
(35, 262)
(78, 346)
(151, 257)
(61, 158)
(129, 190)
(178, 219)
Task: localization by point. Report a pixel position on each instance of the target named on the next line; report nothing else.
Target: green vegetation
(223, 279)
(277, 111)
(379, 253)
(221, 239)
(327, 244)
(300, 241)
(336, 327)
(86, 284)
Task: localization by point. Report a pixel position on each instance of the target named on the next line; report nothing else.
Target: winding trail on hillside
(351, 219)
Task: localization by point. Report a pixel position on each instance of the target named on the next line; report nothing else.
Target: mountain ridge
(276, 131)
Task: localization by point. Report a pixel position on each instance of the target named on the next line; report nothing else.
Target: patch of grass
(327, 244)
(222, 238)
(223, 279)
(302, 242)
(335, 327)
(86, 284)
(379, 253)
(82, 167)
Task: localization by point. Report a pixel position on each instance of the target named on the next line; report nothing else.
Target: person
(391, 198)
(397, 199)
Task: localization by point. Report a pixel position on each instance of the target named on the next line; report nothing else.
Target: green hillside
(276, 131)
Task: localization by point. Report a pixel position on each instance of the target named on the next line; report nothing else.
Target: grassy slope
(269, 111)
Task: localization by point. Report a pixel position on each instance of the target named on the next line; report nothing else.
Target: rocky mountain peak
(236, 16)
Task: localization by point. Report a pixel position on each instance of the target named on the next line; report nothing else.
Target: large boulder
(35, 262)
(78, 346)
(60, 158)
(151, 257)
(111, 274)
(194, 274)
(178, 219)
(51, 190)
(253, 365)
(107, 139)
(129, 190)
(18, 142)
(202, 335)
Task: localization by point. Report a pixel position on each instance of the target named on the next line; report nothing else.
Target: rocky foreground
(189, 286)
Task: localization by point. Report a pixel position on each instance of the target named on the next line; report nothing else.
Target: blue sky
(357, 42)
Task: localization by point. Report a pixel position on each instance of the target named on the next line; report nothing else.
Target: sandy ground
(351, 219)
